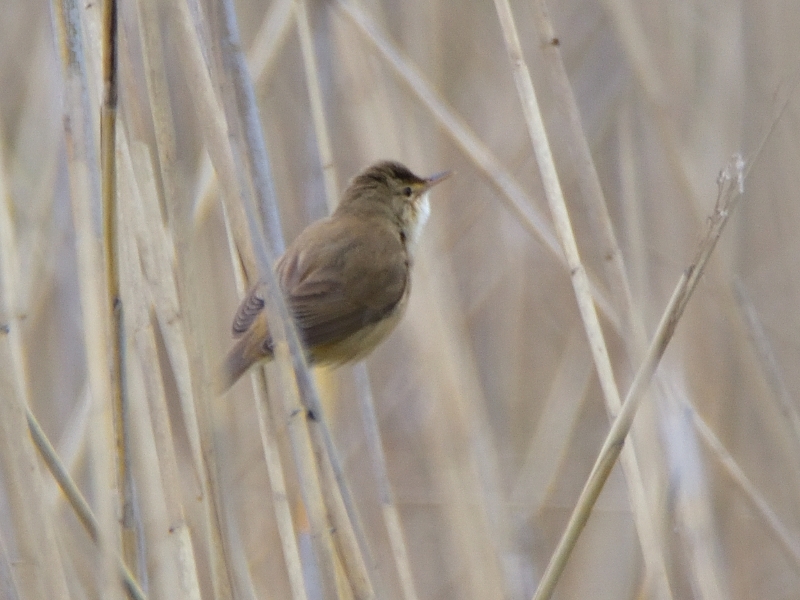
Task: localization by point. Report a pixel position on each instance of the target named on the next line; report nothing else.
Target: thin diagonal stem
(615, 440)
(580, 283)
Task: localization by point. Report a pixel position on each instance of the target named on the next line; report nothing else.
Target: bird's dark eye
(407, 191)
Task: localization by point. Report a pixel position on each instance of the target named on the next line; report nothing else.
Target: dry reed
(447, 465)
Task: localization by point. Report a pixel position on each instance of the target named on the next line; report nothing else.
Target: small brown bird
(346, 278)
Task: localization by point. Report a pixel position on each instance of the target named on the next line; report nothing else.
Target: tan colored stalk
(108, 163)
(558, 208)
(654, 558)
(615, 440)
(84, 180)
(592, 193)
(79, 503)
(593, 200)
(84, 184)
(643, 64)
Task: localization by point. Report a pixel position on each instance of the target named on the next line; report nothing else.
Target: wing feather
(325, 308)
(310, 275)
(251, 305)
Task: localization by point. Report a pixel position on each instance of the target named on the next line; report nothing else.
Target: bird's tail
(236, 363)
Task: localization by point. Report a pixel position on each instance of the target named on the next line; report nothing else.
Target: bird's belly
(359, 344)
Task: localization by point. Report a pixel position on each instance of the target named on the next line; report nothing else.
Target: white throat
(423, 210)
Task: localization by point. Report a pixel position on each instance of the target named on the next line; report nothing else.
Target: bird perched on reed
(346, 278)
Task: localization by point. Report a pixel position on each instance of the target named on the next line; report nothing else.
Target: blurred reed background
(487, 400)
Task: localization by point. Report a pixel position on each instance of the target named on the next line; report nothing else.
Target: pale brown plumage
(346, 278)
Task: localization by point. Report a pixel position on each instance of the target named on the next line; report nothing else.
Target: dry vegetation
(446, 466)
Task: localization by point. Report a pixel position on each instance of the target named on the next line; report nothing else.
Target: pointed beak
(438, 178)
